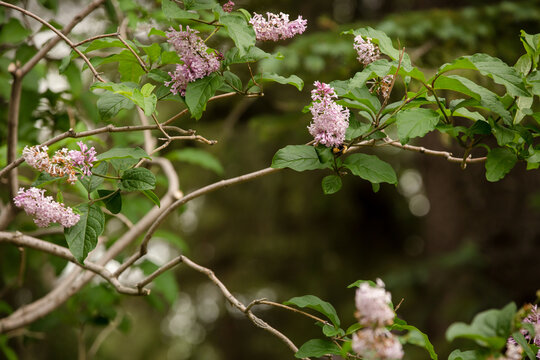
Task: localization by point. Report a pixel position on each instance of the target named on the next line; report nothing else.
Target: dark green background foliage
(280, 236)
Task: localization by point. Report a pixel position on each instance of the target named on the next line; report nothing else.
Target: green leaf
(240, 31)
(138, 179)
(520, 339)
(487, 98)
(379, 38)
(492, 67)
(356, 129)
(92, 182)
(331, 331)
(200, 91)
(144, 98)
(172, 11)
(489, 328)
(157, 32)
(317, 348)
(466, 355)
(331, 184)
(232, 82)
(415, 123)
(416, 337)
(313, 302)
(122, 153)
(371, 168)
(531, 43)
(252, 54)
(114, 202)
(197, 157)
(152, 196)
(291, 80)
(110, 104)
(499, 163)
(45, 179)
(83, 236)
(299, 158)
(13, 32)
(153, 51)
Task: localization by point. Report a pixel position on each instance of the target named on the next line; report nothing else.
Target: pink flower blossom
(198, 60)
(228, 7)
(84, 158)
(330, 120)
(276, 27)
(373, 305)
(367, 51)
(44, 209)
(378, 344)
(64, 161)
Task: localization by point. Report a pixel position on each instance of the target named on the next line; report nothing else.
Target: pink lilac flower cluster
(374, 341)
(330, 120)
(367, 51)
(513, 349)
(198, 60)
(276, 27)
(44, 209)
(63, 162)
(228, 7)
(376, 344)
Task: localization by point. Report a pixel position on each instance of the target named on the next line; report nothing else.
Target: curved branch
(202, 191)
(445, 154)
(77, 279)
(62, 36)
(26, 241)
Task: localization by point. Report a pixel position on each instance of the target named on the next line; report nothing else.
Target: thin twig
(53, 29)
(275, 304)
(445, 154)
(72, 134)
(177, 260)
(202, 191)
(141, 63)
(95, 38)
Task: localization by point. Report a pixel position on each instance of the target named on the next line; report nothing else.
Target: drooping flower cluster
(44, 209)
(63, 162)
(367, 51)
(513, 349)
(276, 27)
(198, 60)
(330, 120)
(374, 341)
(228, 7)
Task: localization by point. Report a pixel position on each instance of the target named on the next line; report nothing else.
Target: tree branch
(21, 240)
(61, 35)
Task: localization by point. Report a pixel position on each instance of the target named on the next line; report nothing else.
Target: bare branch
(53, 29)
(21, 240)
(445, 154)
(95, 38)
(67, 29)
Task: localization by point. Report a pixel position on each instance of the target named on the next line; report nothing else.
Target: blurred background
(445, 240)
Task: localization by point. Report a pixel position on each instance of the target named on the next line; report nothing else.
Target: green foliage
(200, 91)
(313, 302)
(370, 168)
(317, 348)
(112, 200)
(489, 328)
(83, 236)
(137, 179)
(299, 158)
(415, 122)
(197, 157)
(499, 162)
(331, 184)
